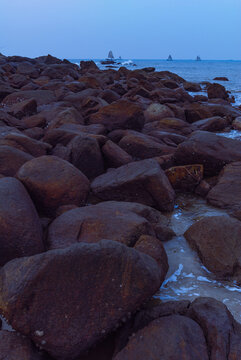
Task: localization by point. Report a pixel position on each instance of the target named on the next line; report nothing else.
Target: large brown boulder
(15, 347)
(119, 115)
(217, 91)
(170, 337)
(114, 155)
(156, 112)
(40, 96)
(172, 125)
(24, 108)
(211, 150)
(141, 146)
(53, 182)
(226, 194)
(217, 241)
(85, 154)
(99, 285)
(215, 123)
(20, 228)
(95, 222)
(11, 159)
(185, 178)
(141, 181)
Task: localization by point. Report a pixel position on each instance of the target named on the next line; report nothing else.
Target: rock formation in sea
(169, 58)
(91, 163)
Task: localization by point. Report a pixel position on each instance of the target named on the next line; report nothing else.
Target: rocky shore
(91, 162)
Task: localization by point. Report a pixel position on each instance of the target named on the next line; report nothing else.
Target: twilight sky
(134, 29)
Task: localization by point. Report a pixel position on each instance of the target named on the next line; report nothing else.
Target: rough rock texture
(185, 178)
(11, 159)
(171, 337)
(121, 114)
(217, 91)
(20, 228)
(213, 151)
(156, 112)
(215, 123)
(93, 223)
(142, 181)
(226, 194)
(217, 241)
(114, 155)
(15, 347)
(122, 278)
(53, 182)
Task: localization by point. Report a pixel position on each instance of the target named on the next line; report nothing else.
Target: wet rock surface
(92, 164)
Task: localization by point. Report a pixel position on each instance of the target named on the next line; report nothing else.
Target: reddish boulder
(121, 114)
(121, 280)
(53, 182)
(85, 154)
(11, 159)
(226, 194)
(142, 181)
(40, 96)
(217, 241)
(169, 337)
(217, 91)
(191, 86)
(156, 112)
(215, 123)
(210, 150)
(20, 228)
(236, 124)
(141, 146)
(185, 177)
(172, 125)
(16, 347)
(114, 155)
(23, 108)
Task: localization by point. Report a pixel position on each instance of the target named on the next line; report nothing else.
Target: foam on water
(187, 277)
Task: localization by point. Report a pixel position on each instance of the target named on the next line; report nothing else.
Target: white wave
(128, 62)
(174, 276)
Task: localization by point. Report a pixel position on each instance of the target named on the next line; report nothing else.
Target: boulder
(221, 78)
(185, 178)
(141, 146)
(142, 181)
(172, 125)
(114, 155)
(86, 66)
(11, 159)
(121, 280)
(156, 112)
(217, 91)
(215, 123)
(20, 228)
(95, 222)
(53, 182)
(85, 154)
(210, 150)
(226, 194)
(24, 108)
(236, 124)
(15, 347)
(191, 86)
(217, 241)
(40, 96)
(121, 114)
(169, 337)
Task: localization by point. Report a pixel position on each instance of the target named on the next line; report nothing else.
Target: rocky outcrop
(20, 228)
(122, 278)
(53, 182)
(213, 151)
(217, 241)
(142, 181)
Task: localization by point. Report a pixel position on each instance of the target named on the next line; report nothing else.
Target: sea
(190, 70)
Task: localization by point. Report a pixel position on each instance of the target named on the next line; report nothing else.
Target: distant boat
(198, 58)
(110, 55)
(169, 58)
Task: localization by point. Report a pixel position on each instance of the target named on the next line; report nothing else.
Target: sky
(133, 29)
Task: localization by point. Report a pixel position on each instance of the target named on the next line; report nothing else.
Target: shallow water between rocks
(187, 277)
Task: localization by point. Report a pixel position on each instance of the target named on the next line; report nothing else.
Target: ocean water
(191, 70)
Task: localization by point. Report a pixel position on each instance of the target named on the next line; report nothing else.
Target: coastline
(105, 177)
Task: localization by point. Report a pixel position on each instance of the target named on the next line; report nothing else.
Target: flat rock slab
(211, 150)
(217, 241)
(141, 181)
(93, 286)
(227, 193)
